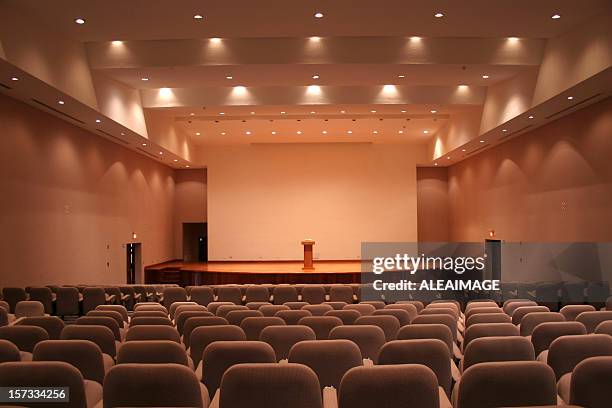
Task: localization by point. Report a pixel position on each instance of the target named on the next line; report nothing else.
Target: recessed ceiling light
(198, 17)
(448, 157)
(556, 16)
(485, 77)
(312, 112)
(175, 160)
(197, 133)
(191, 114)
(504, 130)
(463, 150)
(144, 79)
(315, 39)
(426, 131)
(342, 111)
(61, 102)
(187, 166)
(482, 141)
(324, 132)
(229, 77)
(570, 97)
(349, 132)
(252, 113)
(283, 112)
(248, 132)
(318, 14)
(299, 132)
(161, 152)
(401, 76)
(435, 164)
(315, 77)
(116, 42)
(433, 111)
(462, 86)
(400, 132)
(122, 134)
(403, 111)
(221, 113)
(530, 116)
(215, 40)
(273, 132)
(14, 79)
(144, 144)
(79, 20)
(222, 133)
(513, 39)
(438, 15)
(98, 121)
(373, 111)
(375, 132)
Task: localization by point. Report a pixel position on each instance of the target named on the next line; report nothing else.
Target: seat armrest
(330, 397)
(455, 373)
(215, 401)
(367, 362)
(444, 401)
(456, 352)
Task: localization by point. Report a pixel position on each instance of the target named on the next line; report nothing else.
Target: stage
(257, 272)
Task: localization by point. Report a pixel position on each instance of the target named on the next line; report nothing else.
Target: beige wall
(551, 184)
(70, 200)
(432, 204)
(264, 199)
(189, 203)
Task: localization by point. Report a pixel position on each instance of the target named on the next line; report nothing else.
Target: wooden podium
(308, 266)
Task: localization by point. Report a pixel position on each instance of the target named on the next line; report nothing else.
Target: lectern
(308, 243)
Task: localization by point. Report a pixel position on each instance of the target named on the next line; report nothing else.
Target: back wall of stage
(264, 199)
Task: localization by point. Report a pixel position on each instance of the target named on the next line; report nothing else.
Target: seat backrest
(204, 335)
(29, 308)
(283, 294)
(92, 297)
(236, 317)
(101, 321)
(183, 316)
(544, 333)
(592, 319)
(440, 310)
(604, 328)
(389, 324)
(223, 310)
(409, 308)
(489, 330)
(519, 313)
(347, 316)
(172, 309)
(150, 321)
(362, 308)
(313, 294)
(116, 308)
(149, 313)
(402, 316)
(475, 304)
(427, 331)
(108, 313)
(282, 338)
(24, 337)
(202, 295)
(507, 384)
(321, 325)
(292, 316)
(590, 383)
(432, 353)
(67, 301)
(101, 335)
(152, 352)
(482, 310)
(403, 385)
(270, 310)
(53, 325)
(416, 303)
(488, 318)
(152, 332)
(485, 349)
(329, 359)
(256, 305)
(13, 296)
(341, 293)
(172, 294)
(368, 338)
(194, 322)
(295, 305)
(438, 319)
(256, 293)
(221, 355)
(570, 312)
(378, 304)
(8, 351)
(150, 306)
(253, 326)
(140, 385)
(46, 374)
(85, 355)
(566, 352)
(318, 309)
(187, 308)
(509, 308)
(270, 386)
(533, 319)
(229, 294)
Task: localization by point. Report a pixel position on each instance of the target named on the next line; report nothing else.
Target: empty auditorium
(306, 203)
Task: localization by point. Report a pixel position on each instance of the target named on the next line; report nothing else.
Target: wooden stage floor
(218, 273)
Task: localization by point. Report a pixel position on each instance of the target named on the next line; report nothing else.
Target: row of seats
(332, 339)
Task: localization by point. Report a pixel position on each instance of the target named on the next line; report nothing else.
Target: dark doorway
(493, 263)
(133, 259)
(195, 242)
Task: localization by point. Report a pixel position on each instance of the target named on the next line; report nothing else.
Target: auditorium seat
(347, 316)
(188, 308)
(341, 293)
(213, 306)
(438, 319)
(8, 351)
(150, 307)
(43, 295)
(488, 318)
(148, 321)
(160, 385)
(256, 293)
(416, 303)
(389, 324)
(482, 310)
(282, 338)
(53, 325)
(194, 322)
(204, 335)
(231, 294)
(570, 312)
(409, 308)
(202, 295)
(92, 297)
(284, 294)
(335, 305)
(221, 355)
(152, 332)
(24, 337)
(522, 311)
(507, 384)
(149, 313)
(223, 310)
(363, 309)
(486, 349)
(46, 374)
(404, 385)
(531, 320)
(269, 386)
(476, 304)
(116, 316)
(427, 331)
(321, 325)
(4, 317)
(378, 304)
(253, 326)
(368, 338)
(103, 321)
(318, 309)
(116, 308)
(84, 355)
(100, 335)
(270, 310)
(295, 305)
(153, 352)
(544, 334)
(291, 317)
(29, 308)
(604, 328)
(236, 317)
(175, 305)
(67, 301)
(590, 383)
(476, 331)
(313, 294)
(401, 315)
(12, 296)
(172, 295)
(432, 353)
(257, 305)
(182, 317)
(592, 319)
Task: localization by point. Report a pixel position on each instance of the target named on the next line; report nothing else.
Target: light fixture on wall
(134, 236)
(492, 233)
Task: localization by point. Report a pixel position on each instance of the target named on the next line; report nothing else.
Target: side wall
(71, 199)
(432, 204)
(189, 203)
